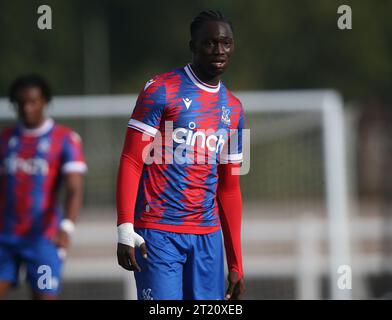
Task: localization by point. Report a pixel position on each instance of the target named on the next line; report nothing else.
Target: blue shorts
(180, 266)
(41, 260)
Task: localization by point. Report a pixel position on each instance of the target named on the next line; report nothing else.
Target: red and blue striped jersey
(196, 126)
(32, 162)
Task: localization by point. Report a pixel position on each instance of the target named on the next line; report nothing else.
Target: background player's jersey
(177, 191)
(32, 162)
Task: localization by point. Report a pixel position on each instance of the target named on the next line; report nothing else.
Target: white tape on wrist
(68, 226)
(127, 235)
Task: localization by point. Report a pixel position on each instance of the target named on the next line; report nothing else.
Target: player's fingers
(132, 258)
(239, 291)
(123, 259)
(143, 249)
(62, 242)
(55, 239)
(242, 290)
(230, 290)
(65, 241)
(123, 262)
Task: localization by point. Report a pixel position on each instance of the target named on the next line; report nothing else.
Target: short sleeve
(73, 157)
(149, 108)
(232, 153)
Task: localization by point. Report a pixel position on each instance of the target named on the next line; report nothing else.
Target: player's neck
(44, 128)
(32, 126)
(213, 81)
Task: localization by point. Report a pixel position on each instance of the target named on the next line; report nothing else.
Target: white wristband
(127, 235)
(68, 226)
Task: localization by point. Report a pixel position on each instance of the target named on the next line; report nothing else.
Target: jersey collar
(200, 84)
(40, 131)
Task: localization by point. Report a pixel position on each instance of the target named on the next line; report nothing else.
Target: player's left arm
(230, 208)
(73, 201)
(73, 170)
(230, 212)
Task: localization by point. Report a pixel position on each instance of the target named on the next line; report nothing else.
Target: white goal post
(327, 103)
(330, 105)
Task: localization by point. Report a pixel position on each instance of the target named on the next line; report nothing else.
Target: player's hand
(62, 239)
(236, 289)
(128, 240)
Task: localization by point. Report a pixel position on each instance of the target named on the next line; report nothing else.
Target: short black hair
(205, 16)
(29, 81)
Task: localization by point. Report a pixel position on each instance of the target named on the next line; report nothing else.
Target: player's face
(213, 47)
(30, 106)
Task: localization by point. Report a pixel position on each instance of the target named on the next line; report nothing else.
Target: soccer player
(36, 155)
(174, 209)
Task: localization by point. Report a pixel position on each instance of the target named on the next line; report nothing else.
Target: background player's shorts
(41, 261)
(180, 266)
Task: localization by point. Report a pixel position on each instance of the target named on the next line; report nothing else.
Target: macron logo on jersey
(187, 102)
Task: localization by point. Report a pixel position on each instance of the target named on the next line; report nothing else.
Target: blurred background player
(36, 156)
(178, 209)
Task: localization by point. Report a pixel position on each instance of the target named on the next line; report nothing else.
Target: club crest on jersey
(43, 145)
(146, 293)
(225, 115)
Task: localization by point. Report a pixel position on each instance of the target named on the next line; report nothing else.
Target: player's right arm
(142, 127)
(128, 177)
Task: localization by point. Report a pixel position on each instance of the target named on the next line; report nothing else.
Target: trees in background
(115, 46)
